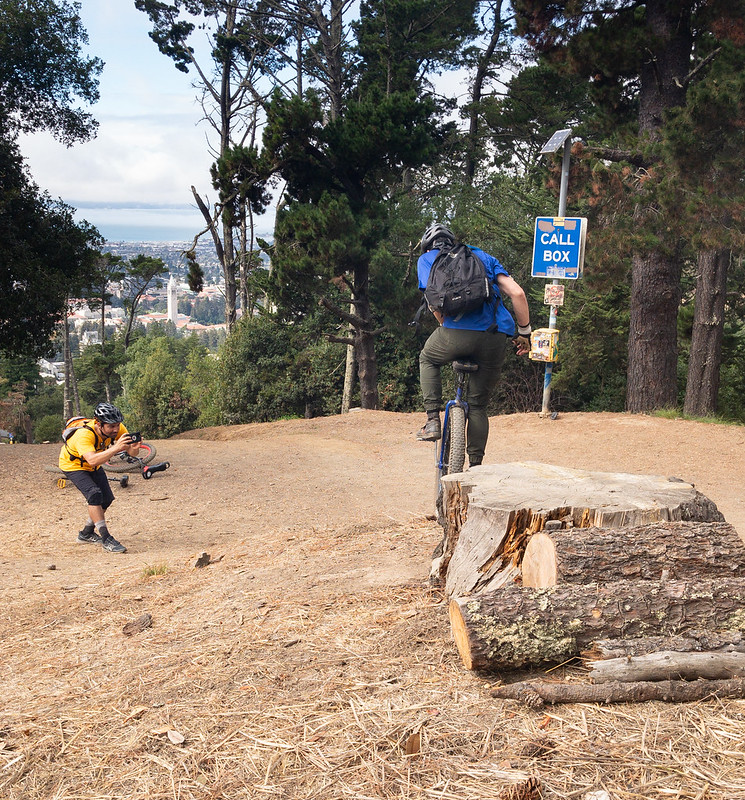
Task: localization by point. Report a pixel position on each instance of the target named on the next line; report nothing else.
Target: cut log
(669, 665)
(536, 693)
(489, 513)
(690, 642)
(678, 550)
(515, 627)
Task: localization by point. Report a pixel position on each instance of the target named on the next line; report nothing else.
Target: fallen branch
(692, 641)
(536, 693)
(669, 665)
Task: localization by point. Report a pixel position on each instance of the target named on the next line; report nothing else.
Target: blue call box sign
(559, 247)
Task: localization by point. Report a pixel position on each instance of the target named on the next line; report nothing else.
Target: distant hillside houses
(116, 317)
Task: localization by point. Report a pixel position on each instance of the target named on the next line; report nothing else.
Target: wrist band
(524, 330)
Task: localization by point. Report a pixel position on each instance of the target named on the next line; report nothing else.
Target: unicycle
(451, 455)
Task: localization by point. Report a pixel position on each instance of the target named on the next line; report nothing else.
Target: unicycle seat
(465, 366)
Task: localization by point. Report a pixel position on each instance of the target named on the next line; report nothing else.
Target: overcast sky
(133, 180)
(150, 147)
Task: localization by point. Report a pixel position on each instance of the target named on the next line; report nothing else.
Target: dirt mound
(310, 659)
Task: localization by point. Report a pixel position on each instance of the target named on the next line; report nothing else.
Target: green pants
(487, 350)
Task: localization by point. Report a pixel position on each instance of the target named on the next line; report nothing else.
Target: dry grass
(241, 692)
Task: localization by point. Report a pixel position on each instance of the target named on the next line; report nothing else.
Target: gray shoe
(111, 545)
(89, 535)
(431, 432)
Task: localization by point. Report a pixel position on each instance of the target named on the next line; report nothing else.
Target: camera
(135, 436)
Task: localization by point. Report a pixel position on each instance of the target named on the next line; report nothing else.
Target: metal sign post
(559, 139)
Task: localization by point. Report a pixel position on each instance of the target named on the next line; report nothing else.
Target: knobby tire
(454, 458)
(126, 464)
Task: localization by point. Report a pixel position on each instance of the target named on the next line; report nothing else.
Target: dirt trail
(295, 664)
(275, 479)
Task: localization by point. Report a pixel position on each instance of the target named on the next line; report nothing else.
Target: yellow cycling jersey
(83, 440)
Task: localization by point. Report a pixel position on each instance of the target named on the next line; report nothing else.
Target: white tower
(172, 300)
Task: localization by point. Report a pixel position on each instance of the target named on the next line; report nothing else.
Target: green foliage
(46, 401)
(49, 428)
(396, 37)
(45, 258)
(202, 387)
(156, 398)
(269, 370)
(42, 69)
(13, 371)
(591, 372)
(208, 310)
(95, 371)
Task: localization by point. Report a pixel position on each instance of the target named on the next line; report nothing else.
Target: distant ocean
(148, 223)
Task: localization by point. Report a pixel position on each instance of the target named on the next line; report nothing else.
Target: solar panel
(556, 141)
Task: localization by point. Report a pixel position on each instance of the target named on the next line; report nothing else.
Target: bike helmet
(105, 412)
(435, 236)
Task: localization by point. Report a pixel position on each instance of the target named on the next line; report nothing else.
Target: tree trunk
(107, 379)
(536, 693)
(655, 274)
(702, 385)
(228, 272)
(364, 344)
(490, 513)
(515, 627)
(367, 369)
(485, 63)
(652, 378)
(675, 550)
(244, 259)
(669, 665)
(71, 397)
(67, 390)
(349, 372)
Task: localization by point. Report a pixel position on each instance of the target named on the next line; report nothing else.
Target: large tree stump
(677, 550)
(490, 512)
(515, 627)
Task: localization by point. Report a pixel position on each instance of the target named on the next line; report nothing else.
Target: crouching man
(87, 446)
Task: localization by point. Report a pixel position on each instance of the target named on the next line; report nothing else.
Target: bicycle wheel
(122, 462)
(454, 457)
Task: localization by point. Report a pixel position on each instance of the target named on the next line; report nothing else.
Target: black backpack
(457, 282)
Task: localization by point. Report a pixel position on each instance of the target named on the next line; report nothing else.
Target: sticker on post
(553, 294)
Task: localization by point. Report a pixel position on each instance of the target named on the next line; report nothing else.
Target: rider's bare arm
(96, 459)
(510, 287)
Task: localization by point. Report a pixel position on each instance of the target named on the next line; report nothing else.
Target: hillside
(312, 659)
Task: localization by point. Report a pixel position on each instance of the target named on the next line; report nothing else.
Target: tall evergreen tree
(640, 60)
(344, 158)
(246, 43)
(45, 256)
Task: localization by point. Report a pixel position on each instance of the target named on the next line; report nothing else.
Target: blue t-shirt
(492, 312)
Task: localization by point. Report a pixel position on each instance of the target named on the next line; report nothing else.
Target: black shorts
(94, 486)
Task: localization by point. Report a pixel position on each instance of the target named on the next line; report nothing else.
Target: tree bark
(489, 514)
(485, 63)
(515, 627)
(702, 385)
(652, 377)
(675, 550)
(364, 348)
(349, 372)
(536, 693)
(690, 642)
(655, 274)
(669, 665)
